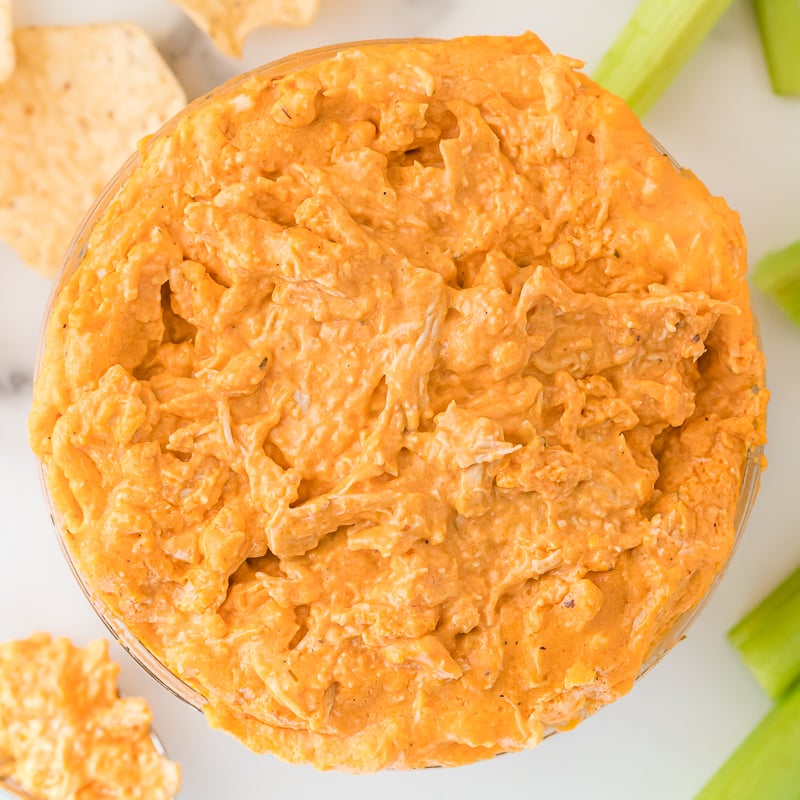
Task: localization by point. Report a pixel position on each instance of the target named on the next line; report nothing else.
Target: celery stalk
(653, 46)
(779, 26)
(766, 765)
(768, 638)
(778, 275)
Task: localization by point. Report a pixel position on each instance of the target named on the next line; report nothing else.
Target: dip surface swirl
(400, 403)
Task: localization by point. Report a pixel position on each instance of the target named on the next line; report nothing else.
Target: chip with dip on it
(7, 57)
(228, 22)
(65, 732)
(75, 107)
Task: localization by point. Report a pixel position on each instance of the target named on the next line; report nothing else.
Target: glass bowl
(140, 653)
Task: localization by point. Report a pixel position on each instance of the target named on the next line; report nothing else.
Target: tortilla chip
(228, 22)
(7, 59)
(74, 109)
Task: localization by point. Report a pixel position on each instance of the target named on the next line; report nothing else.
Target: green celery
(768, 638)
(778, 275)
(653, 46)
(779, 26)
(766, 765)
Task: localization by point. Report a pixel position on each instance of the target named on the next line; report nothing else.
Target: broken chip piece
(74, 108)
(228, 22)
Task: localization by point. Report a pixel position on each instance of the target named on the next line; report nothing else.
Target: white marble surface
(664, 739)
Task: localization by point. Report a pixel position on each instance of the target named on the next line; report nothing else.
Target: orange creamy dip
(401, 404)
(65, 734)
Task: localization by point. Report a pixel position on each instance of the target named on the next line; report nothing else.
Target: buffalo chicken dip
(400, 402)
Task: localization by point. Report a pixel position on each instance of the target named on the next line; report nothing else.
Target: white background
(668, 736)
